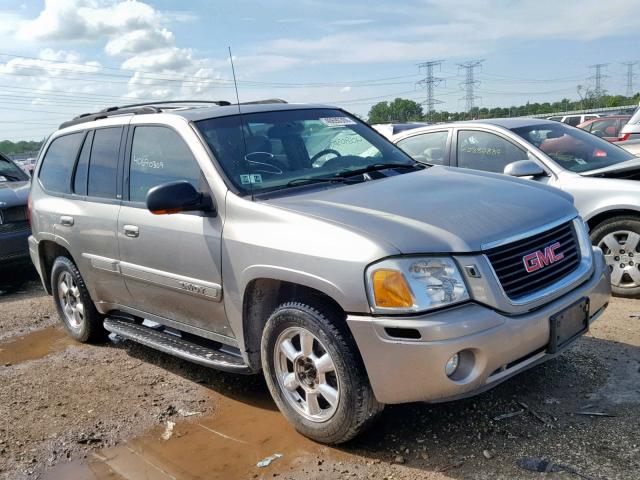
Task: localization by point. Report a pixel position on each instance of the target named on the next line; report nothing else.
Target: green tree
(398, 111)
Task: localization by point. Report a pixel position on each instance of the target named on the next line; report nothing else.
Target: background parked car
(631, 131)
(15, 263)
(601, 176)
(574, 120)
(391, 129)
(632, 146)
(607, 128)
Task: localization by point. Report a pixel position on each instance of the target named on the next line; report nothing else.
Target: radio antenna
(235, 83)
(244, 140)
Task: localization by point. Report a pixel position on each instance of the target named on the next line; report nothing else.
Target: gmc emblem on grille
(539, 259)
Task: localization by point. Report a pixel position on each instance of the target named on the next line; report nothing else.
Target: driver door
(170, 263)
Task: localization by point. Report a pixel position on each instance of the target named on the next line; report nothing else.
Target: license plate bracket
(568, 324)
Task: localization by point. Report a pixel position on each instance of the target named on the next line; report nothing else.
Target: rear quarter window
(57, 165)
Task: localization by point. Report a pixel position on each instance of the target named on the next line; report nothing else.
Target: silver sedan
(602, 177)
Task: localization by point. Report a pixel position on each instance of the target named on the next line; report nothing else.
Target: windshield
(9, 172)
(290, 147)
(572, 148)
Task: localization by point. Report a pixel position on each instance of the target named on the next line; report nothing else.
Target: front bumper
(499, 346)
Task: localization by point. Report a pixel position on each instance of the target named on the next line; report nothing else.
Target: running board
(174, 345)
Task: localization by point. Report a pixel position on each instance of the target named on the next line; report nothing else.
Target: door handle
(66, 220)
(131, 231)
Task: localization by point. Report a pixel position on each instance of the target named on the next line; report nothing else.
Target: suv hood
(439, 209)
(14, 193)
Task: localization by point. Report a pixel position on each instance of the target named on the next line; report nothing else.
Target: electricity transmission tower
(630, 76)
(598, 91)
(470, 83)
(430, 82)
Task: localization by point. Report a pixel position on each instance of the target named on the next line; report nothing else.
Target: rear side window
(57, 165)
(103, 166)
(573, 121)
(82, 170)
(159, 155)
(426, 147)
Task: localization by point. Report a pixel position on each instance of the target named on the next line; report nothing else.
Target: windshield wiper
(374, 167)
(12, 178)
(310, 180)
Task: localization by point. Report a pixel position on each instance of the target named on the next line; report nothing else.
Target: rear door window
(159, 155)
(426, 147)
(82, 169)
(573, 121)
(57, 165)
(486, 151)
(103, 165)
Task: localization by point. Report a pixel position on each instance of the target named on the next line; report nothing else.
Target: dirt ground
(122, 411)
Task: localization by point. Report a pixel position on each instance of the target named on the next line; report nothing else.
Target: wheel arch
(48, 251)
(623, 211)
(261, 297)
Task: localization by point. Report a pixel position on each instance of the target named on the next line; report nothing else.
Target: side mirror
(523, 168)
(176, 197)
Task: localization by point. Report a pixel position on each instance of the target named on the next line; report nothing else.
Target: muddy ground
(71, 411)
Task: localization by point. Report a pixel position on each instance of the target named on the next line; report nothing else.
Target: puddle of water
(34, 345)
(225, 445)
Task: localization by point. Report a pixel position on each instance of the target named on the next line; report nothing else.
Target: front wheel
(619, 239)
(315, 374)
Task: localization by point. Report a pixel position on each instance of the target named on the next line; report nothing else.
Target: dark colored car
(15, 263)
(607, 128)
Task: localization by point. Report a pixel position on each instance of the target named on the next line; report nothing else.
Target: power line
(470, 83)
(630, 76)
(430, 82)
(598, 91)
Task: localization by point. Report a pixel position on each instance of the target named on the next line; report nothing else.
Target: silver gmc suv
(296, 241)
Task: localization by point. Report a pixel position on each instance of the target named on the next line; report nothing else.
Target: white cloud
(138, 41)
(171, 59)
(353, 22)
(345, 89)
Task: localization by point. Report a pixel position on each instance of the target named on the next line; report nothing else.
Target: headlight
(403, 285)
(582, 232)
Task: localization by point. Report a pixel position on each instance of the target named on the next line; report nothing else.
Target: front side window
(572, 148)
(57, 165)
(103, 165)
(486, 151)
(10, 172)
(426, 147)
(272, 150)
(159, 155)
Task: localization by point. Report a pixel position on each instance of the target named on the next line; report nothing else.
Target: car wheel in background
(619, 239)
(315, 375)
(74, 304)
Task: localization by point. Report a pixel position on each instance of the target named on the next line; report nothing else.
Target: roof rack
(152, 107)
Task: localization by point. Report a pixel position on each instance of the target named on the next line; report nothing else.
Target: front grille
(13, 214)
(14, 227)
(508, 261)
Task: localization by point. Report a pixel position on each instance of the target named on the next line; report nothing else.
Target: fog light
(452, 365)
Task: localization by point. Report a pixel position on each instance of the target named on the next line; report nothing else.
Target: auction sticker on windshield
(337, 121)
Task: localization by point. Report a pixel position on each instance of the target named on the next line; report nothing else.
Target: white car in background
(631, 146)
(574, 120)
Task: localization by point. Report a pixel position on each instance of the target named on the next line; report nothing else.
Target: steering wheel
(324, 152)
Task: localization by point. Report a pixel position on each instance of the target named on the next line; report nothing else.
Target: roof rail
(152, 107)
(264, 102)
(136, 109)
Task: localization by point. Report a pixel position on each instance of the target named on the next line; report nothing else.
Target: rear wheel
(315, 375)
(619, 239)
(74, 304)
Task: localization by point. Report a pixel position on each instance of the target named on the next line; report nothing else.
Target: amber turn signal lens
(390, 289)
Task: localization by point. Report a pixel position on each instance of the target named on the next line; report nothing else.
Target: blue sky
(59, 58)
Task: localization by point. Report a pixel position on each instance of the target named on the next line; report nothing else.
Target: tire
(76, 310)
(619, 239)
(354, 406)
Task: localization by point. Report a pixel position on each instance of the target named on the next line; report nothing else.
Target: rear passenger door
(86, 210)
(429, 147)
(171, 263)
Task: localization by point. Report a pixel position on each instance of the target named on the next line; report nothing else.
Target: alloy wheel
(70, 300)
(306, 374)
